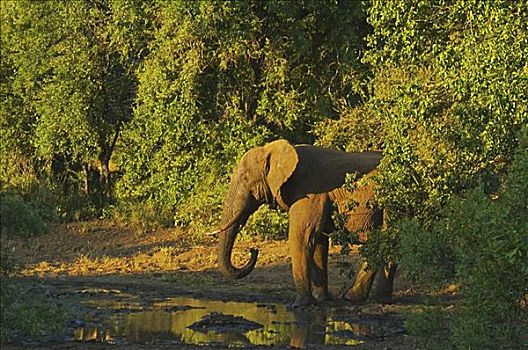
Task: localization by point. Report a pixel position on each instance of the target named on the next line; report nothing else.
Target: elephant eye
(242, 175)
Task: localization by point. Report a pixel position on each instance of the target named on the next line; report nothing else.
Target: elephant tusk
(225, 227)
(213, 233)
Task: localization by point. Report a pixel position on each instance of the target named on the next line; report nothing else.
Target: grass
(28, 312)
(162, 259)
(430, 326)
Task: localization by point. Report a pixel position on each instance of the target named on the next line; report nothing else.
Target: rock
(221, 323)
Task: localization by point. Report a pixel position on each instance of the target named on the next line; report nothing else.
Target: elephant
(361, 217)
(305, 181)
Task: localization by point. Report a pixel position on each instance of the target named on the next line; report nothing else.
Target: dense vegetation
(139, 109)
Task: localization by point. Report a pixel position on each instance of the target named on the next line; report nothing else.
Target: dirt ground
(103, 263)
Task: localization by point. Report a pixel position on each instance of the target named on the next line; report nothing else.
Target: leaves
(222, 77)
(69, 81)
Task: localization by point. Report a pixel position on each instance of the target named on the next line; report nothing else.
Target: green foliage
(448, 91)
(515, 184)
(174, 92)
(452, 96)
(222, 77)
(342, 237)
(266, 224)
(357, 129)
(485, 242)
(446, 99)
(424, 256)
(380, 247)
(492, 262)
(26, 312)
(8, 263)
(19, 218)
(67, 87)
(208, 80)
(199, 214)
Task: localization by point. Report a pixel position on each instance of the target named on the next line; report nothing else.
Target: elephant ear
(322, 170)
(282, 162)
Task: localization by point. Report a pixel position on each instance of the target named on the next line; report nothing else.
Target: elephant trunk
(239, 205)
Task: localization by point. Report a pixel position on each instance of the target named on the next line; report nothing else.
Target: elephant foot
(382, 286)
(360, 290)
(355, 296)
(355, 299)
(322, 295)
(303, 300)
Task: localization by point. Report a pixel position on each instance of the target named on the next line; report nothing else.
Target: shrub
(200, 213)
(7, 261)
(217, 81)
(424, 256)
(491, 249)
(266, 223)
(491, 245)
(484, 241)
(19, 218)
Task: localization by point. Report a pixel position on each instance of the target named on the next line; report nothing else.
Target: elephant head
(257, 179)
(279, 174)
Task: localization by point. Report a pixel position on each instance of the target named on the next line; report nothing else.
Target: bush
(19, 218)
(201, 212)
(484, 241)
(424, 256)
(491, 249)
(52, 198)
(266, 223)
(218, 82)
(7, 261)
(491, 245)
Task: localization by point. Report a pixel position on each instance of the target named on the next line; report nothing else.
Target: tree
(447, 97)
(223, 77)
(448, 86)
(71, 66)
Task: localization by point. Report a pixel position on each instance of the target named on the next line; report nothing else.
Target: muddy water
(169, 321)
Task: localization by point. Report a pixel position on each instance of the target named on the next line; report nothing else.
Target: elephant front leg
(301, 260)
(306, 222)
(360, 290)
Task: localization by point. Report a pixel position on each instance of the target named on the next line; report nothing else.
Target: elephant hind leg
(359, 292)
(319, 269)
(383, 284)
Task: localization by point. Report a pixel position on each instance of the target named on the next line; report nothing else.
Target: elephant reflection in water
(308, 328)
(318, 328)
(306, 182)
